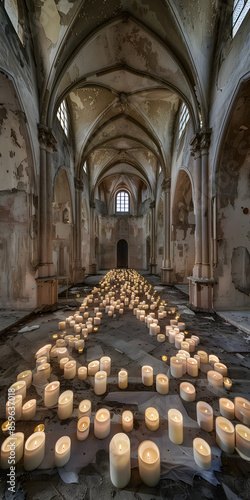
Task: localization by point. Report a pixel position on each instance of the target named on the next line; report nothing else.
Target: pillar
(196, 153)
(205, 141)
(92, 259)
(166, 269)
(152, 264)
(79, 270)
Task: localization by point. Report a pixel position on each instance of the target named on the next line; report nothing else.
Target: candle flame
(102, 416)
(227, 404)
(35, 443)
(245, 435)
(120, 447)
(148, 454)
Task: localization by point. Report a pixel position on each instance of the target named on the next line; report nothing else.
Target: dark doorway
(122, 253)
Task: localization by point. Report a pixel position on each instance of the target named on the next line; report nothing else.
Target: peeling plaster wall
(62, 227)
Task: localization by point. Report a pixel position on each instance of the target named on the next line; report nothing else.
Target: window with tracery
(240, 10)
(62, 116)
(122, 202)
(183, 120)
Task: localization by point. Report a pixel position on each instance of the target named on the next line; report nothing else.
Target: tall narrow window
(122, 202)
(62, 116)
(240, 10)
(184, 117)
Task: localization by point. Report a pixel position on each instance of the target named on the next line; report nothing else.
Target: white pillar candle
(150, 320)
(12, 450)
(204, 416)
(72, 322)
(213, 359)
(154, 329)
(51, 394)
(147, 374)
(97, 321)
(226, 408)
(202, 453)
(44, 368)
(242, 434)
(78, 318)
(123, 379)
(29, 409)
(62, 451)
(62, 325)
(34, 451)
(77, 328)
(191, 344)
(192, 367)
(161, 337)
(83, 426)
(82, 373)
(149, 463)
(183, 359)
(100, 385)
(102, 423)
(84, 408)
(26, 376)
(85, 333)
(227, 383)
(72, 341)
(105, 364)
(175, 426)
(14, 403)
(60, 343)
(162, 383)
(70, 369)
(184, 353)
(65, 405)
(185, 346)
(93, 367)
(196, 339)
(79, 343)
(67, 338)
(152, 420)
(127, 421)
(171, 336)
(68, 319)
(176, 367)
(242, 410)
(41, 360)
(119, 458)
(167, 329)
(220, 368)
(19, 388)
(215, 378)
(187, 391)
(204, 357)
(63, 362)
(178, 340)
(198, 359)
(44, 351)
(62, 353)
(225, 434)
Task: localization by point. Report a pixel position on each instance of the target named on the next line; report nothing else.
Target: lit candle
(215, 378)
(183, 359)
(161, 337)
(198, 359)
(62, 353)
(100, 385)
(119, 458)
(242, 410)
(192, 367)
(65, 405)
(171, 336)
(187, 391)
(152, 420)
(40, 428)
(147, 375)
(83, 426)
(27, 376)
(149, 463)
(29, 409)
(213, 359)
(84, 408)
(176, 367)
(34, 451)
(93, 367)
(225, 434)
(44, 351)
(16, 402)
(127, 421)
(154, 329)
(204, 357)
(19, 388)
(78, 318)
(243, 441)
(6, 426)
(226, 408)
(185, 346)
(162, 383)
(164, 358)
(60, 343)
(178, 340)
(44, 368)
(175, 426)
(82, 373)
(204, 416)
(123, 379)
(41, 360)
(227, 383)
(70, 369)
(105, 364)
(102, 423)
(191, 344)
(196, 339)
(51, 394)
(181, 326)
(62, 325)
(62, 451)
(202, 453)
(12, 450)
(220, 368)
(79, 344)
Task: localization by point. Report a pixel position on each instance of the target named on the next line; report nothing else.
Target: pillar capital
(166, 184)
(195, 144)
(205, 138)
(152, 204)
(46, 137)
(78, 184)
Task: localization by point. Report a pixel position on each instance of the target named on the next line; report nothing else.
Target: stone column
(46, 281)
(205, 141)
(152, 264)
(196, 153)
(79, 273)
(92, 259)
(166, 269)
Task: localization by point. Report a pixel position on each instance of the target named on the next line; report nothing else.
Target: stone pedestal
(46, 291)
(78, 275)
(166, 275)
(92, 268)
(201, 293)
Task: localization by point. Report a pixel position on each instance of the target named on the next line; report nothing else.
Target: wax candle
(19, 388)
(41, 360)
(34, 451)
(119, 458)
(171, 336)
(154, 329)
(226, 408)
(26, 376)
(62, 451)
(83, 426)
(65, 405)
(60, 343)
(5, 427)
(29, 409)
(176, 367)
(196, 339)
(12, 450)
(44, 368)
(181, 326)
(16, 402)
(51, 394)
(62, 325)
(84, 408)
(93, 367)
(185, 346)
(105, 364)
(227, 383)
(78, 319)
(175, 426)
(70, 369)
(123, 379)
(183, 359)
(213, 359)
(149, 463)
(102, 423)
(62, 353)
(178, 340)
(204, 357)
(242, 410)
(162, 383)
(147, 375)
(192, 367)
(164, 358)
(173, 322)
(63, 362)
(220, 368)
(198, 359)
(82, 373)
(202, 453)
(215, 378)
(100, 385)
(225, 434)
(152, 419)
(187, 391)
(204, 416)
(44, 351)
(191, 344)
(161, 337)
(242, 434)
(127, 421)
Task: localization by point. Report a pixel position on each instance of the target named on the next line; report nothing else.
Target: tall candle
(83, 426)
(34, 451)
(225, 434)
(149, 463)
(62, 352)
(82, 373)
(175, 426)
(119, 458)
(162, 383)
(127, 421)
(12, 450)
(84, 408)
(100, 385)
(105, 364)
(44, 368)
(65, 405)
(70, 369)
(19, 388)
(204, 357)
(41, 360)
(202, 453)
(62, 451)
(63, 362)
(226, 408)
(147, 375)
(242, 410)
(152, 420)
(29, 409)
(220, 368)
(187, 391)
(62, 325)
(51, 394)
(213, 359)
(27, 376)
(183, 360)
(178, 340)
(176, 367)
(242, 434)
(204, 416)
(171, 336)
(192, 367)
(102, 423)
(93, 367)
(123, 379)
(215, 378)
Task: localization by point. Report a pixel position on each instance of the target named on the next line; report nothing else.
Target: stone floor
(129, 344)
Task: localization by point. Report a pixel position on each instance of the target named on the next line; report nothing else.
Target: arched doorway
(122, 253)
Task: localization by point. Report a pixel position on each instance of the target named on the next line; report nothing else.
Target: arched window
(62, 116)
(240, 10)
(122, 202)
(184, 117)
